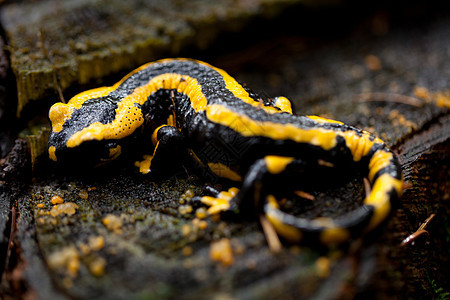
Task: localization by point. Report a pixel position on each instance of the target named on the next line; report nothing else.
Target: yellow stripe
(249, 127)
(222, 170)
(324, 120)
(51, 153)
(115, 152)
(334, 235)
(145, 164)
(129, 117)
(277, 164)
(326, 139)
(359, 145)
(380, 160)
(379, 198)
(287, 231)
(155, 134)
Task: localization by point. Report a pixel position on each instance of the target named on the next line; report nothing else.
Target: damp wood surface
(56, 45)
(115, 234)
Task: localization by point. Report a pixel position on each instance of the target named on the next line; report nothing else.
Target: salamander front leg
(169, 153)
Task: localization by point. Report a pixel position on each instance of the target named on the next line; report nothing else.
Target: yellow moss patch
(222, 252)
(323, 267)
(97, 266)
(187, 251)
(67, 258)
(68, 208)
(113, 223)
(96, 243)
(83, 194)
(56, 200)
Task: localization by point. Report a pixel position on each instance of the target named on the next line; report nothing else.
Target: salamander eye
(112, 151)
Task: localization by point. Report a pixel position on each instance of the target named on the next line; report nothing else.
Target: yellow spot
(96, 243)
(40, 205)
(97, 266)
(67, 258)
(277, 164)
(372, 62)
(68, 208)
(185, 209)
(202, 225)
(115, 152)
(380, 199)
(222, 252)
(83, 194)
(223, 171)
(51, 153)
(189, 193)
(85, 250)
(284, 104)
(249, 127)
(288, 232)
(187, 251)
(144, 165)
(323, 267)
(56, 200)
(201, 213)
(334, 235)
(113, 223)
(442, 99)
(422, 93)
(186, 230)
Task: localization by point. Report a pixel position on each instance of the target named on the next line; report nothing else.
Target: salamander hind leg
(263, 176)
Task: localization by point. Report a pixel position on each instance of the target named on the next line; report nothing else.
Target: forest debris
(68, 208)
(57, 200)
(222, 252)
(419, 232)
(271, 235)
(68, 258)
(113, 223)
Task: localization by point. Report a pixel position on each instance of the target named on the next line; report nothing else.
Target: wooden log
(55, 45)
(118, 234)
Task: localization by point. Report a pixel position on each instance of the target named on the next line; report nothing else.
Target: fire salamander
(188, 106)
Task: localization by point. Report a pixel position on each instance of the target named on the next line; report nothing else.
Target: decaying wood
(118, 234)
(55, 45)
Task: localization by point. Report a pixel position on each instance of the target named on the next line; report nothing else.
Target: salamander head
(85, 133)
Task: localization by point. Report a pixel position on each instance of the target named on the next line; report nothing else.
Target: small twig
(11, 237)
(305, 195)
(419, 232)
(271, 235)
(388, 97)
